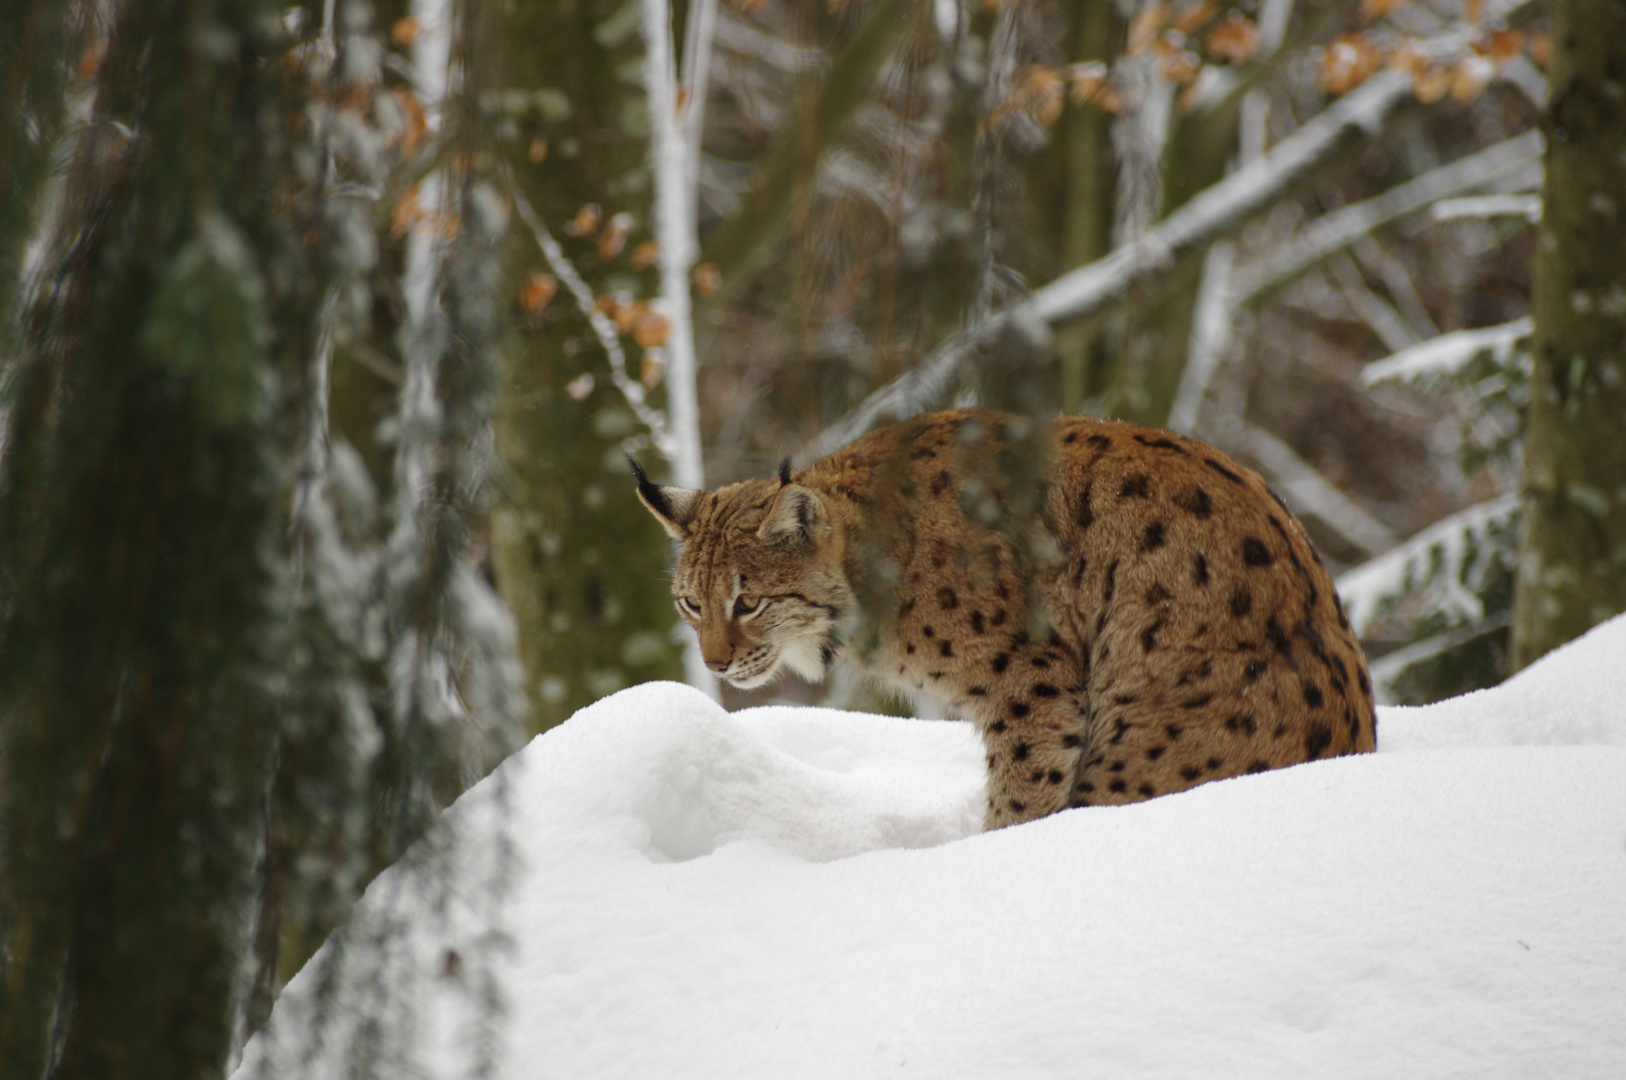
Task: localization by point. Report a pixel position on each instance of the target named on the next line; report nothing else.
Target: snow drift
(792, 892)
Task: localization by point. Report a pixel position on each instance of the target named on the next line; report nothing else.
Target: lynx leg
(1032, 723)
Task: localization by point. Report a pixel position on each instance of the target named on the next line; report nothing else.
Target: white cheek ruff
(805, 656)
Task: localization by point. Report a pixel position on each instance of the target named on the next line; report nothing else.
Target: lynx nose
(719, 666)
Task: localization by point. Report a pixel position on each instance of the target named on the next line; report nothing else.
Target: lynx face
(759, 577)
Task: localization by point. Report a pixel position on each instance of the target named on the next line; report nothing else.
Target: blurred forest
(328, 327)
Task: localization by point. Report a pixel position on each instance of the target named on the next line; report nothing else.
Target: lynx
(1121, 612)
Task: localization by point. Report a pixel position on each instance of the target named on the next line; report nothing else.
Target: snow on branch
(1224, 208)
(1488, 206)
(604, 327)
(1338, 231)
(1412, 564)
(1218, 212)
(1450, 353)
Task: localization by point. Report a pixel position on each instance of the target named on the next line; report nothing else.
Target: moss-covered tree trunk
(1086, 232)
(574, 553)
(1572, 564)
(144, 593)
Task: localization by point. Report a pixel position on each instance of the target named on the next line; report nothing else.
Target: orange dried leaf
(404, 32)
(1471, 77)
(1347, 62)
(645, 254)
(417, 125)
(1036, 91)
(652, 368)
(614, 236)
(90, 61)
(707, 279)
(1431, 84)
(586, 221)
(538, 150)
(1193, 14)
(627, 315)
(537, 292)
(406, 213)
(1473, 9)
(1085, 80)
(1235, 40)
(1409, 58)
(605, 304)
(1180, 67)
(1147, 26)
(1540, 49)
(1501, 45)
(651, 329)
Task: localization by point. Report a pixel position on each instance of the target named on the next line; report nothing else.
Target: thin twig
(1337, 231)
(603, 327)
(1218, 212)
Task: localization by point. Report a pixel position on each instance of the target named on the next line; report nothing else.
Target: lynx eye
(744, 605)
(690, 605)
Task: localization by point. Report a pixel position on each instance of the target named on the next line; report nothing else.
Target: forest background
(328, 328)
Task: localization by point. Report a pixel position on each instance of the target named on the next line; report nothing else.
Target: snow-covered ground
(793, 892)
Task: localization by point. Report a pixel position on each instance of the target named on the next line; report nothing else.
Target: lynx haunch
(1121, 611)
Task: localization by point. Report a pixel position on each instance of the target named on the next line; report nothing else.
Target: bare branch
(603, 327)
(1488, 206)
(1218, 212)
(1210, 336)
(1337, 231)
(788, 167)
(1378, 314)
(1311, 494)
(1449, 352)
(1395, 571)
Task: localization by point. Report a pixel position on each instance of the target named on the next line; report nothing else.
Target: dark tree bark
(574, 556)
(1572, 564)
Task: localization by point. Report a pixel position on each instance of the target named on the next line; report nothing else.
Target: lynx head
(759, 576)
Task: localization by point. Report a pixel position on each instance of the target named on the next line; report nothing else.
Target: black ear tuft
(651, 492)
(784, 472)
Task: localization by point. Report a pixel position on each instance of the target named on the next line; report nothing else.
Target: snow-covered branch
(1449, 353)
(604, 328)
(1488, 206)
(1401, 568)
(1218, 212)
(1377, 313)
(1210, 336)
(1338, 231)
(1225, 207)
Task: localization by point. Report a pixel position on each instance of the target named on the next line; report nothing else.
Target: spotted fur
(1122, 612)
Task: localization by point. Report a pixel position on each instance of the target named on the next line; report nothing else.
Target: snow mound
(1573, 696)
(791, 892)
(673, 776)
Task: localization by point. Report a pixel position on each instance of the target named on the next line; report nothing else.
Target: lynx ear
(797, 514)
(673, 507)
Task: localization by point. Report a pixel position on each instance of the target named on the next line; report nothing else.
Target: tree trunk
(575, 555)
(1087, 233)
(1572, 564)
